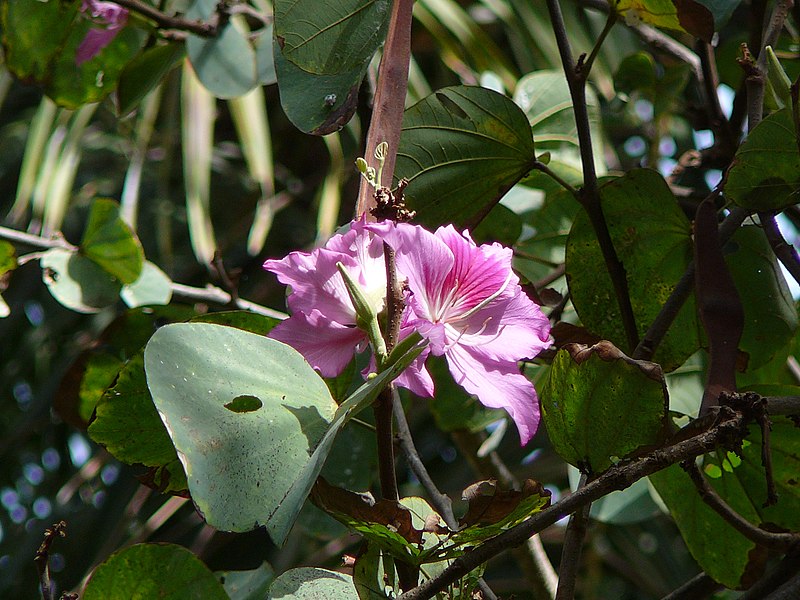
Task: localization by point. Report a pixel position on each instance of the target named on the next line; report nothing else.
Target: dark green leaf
(720, 550)
(78, 283)
(500, 225)
(317, 104)
(40, 40)
(163, 571)
(765, 174)
(652, 238)
(330, 38)
(144, 73)
(600, 406)
(110, 243)
(770, 313)
(461, 149)
(636, 72)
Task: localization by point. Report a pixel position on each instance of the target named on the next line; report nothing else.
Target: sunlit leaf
(687, 16)
(163, 571)
(151, 287)
(600, 406)
(311, 583)
(247, 585)
(77, 282)
(765, 173)
(110, 243)
(461, 149)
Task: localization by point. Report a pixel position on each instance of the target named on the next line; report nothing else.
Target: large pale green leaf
(247, 585)
(317, 104)
(601, 406)
(330, 37)
(687, 16)
(765, 173)
(770, 312)
(225, 63)
(241, 458)
(652, 238)
(461, 149)
(147, 571)
(109, 242)
(126, 421)
(40, 40)
(720, 550)
(311, 583)
(78, 283)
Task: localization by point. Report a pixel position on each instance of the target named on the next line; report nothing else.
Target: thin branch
(206, 294)
(730, 426)
(698, 587)
(725, 143)
(586, 65)
(784, 251)
(390, 95)
(571, 551)
(540, 166)
(441, 502)
(589, 196)
(782, 573)
(165, 21)
(42, 558)
(768, 539)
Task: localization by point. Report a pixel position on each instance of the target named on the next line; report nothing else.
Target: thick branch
(730, 426)
(387, 112)
(165, 21)
(571, 551)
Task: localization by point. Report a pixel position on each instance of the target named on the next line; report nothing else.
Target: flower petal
(328, 346)
(497, 385)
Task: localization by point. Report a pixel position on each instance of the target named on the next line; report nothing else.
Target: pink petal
(326, 345)
(93, 43)
(505, 330)
(497, 385)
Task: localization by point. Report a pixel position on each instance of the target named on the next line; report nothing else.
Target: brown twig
(571, 550)
(698, 587)
(42, 558)
(768, 539)
(203, 29)
(783, 251)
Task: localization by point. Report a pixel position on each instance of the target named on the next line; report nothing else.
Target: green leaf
(311, 583)
(151, 287)
(78, 283)
(703, 529)
(500, 225)
(770, 313)
(99, 374)
(317, 104)
(144, 73)
(128, 426)
(8, 257)
(240, 466)
(461, 149)
(330, 38)
(721, 9)
(163, 571)
(40, 40)
(636, 72)
(265, 62)
(126, 422)
(765, 173)
(110, 243)
(247, 585)
(226, 63)
(600, 406)
(652, 238)
(687, 16)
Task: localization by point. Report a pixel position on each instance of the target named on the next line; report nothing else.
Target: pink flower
(467, 302)
(462, 298)
(111, 18)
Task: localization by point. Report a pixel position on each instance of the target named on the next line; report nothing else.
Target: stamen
(446, 302)
(486, 301)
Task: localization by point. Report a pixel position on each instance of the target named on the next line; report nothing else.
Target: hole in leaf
(244, 403)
